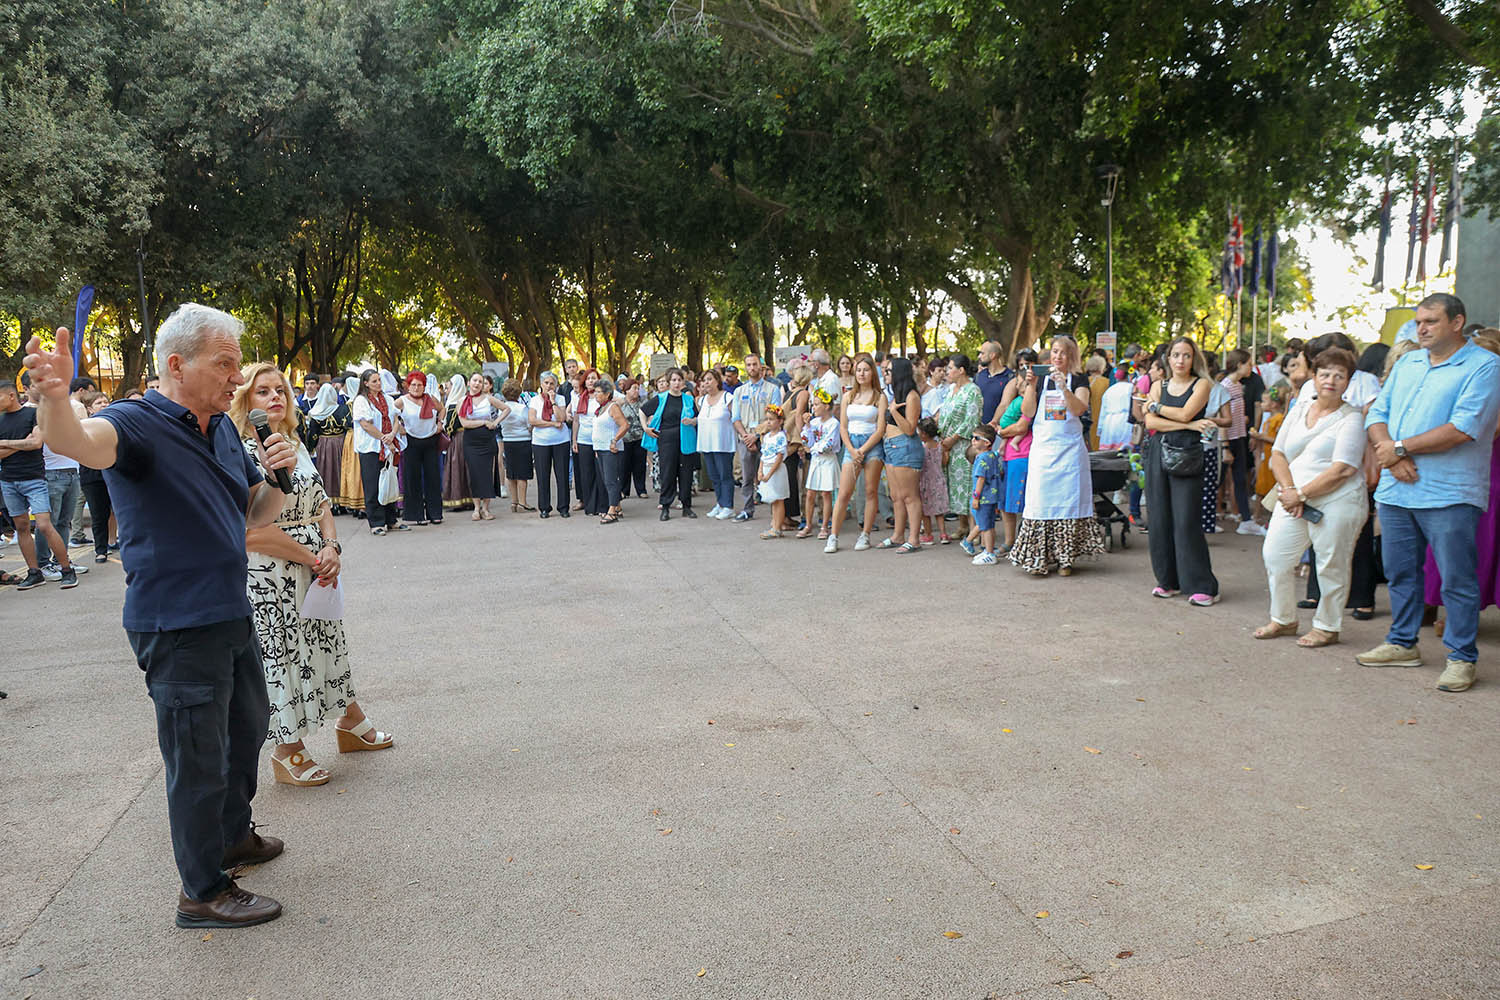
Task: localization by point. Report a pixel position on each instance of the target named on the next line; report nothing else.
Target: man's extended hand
(51, 371)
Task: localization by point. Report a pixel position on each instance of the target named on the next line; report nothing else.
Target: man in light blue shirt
(1432, 428)
(747, 408)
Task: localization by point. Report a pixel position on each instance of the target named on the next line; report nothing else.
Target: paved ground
(671, 760)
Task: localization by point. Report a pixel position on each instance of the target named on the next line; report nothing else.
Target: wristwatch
(335, 543)
(1154, 407)
(1400, 447)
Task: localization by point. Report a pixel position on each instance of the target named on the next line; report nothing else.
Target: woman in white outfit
(716, 442)
(1058, 525)
(1114, 415)
(1316, 459)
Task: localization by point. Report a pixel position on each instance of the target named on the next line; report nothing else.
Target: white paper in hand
(324, 603)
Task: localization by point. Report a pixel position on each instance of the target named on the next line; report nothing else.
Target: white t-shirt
(583, 418)
(715, 427)
(932, 399)
(548, 436)
(1361, 392)
(514, 427)
(411, 417)
(362, 409)
(862, 417)
(602, 428)
(1338, 437)
(829, 381)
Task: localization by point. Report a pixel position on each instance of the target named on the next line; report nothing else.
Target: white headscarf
(433, 388)
(388, 383)
(458, 388)
(325, 404)
(351, 387)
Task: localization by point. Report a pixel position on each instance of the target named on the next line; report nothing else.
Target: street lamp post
(1109, 173)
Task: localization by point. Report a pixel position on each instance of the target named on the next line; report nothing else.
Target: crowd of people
(994, 457)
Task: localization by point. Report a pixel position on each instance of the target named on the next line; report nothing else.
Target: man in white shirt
(824, 377)
(747, 409)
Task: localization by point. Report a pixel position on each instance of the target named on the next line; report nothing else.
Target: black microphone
(263, 430)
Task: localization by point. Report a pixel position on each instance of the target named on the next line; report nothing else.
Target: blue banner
(81, 322)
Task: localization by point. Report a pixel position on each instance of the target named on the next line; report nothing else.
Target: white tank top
(604, 430)
(583, 416)
(862, 418)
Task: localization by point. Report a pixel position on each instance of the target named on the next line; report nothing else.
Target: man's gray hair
(189, 327)
(820, 357)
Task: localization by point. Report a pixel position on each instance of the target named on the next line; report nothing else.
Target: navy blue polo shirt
(180, 497)
(991, 389)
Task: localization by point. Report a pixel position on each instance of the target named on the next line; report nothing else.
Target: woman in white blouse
(1320, 500)
(716, 442)
(421, 416)
(548, 415)
(377, 428)
(481, 413)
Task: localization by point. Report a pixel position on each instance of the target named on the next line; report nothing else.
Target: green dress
(960, 415)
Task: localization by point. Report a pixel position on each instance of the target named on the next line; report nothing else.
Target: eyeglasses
(980, 437)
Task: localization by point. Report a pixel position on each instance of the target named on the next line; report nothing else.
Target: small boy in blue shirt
(984, 498)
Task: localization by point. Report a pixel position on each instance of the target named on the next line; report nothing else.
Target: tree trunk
(919, 324)
(746, 323)
(697, 324)
(768, 334)
(854, 324)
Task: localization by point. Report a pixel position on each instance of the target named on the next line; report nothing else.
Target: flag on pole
(1385, 234)
(81, 321)
(1229, 272)
(1429, 223)
(1252, 280)
(1451, 212)
(1413, 223)
(1273, 255)
(1235, 248)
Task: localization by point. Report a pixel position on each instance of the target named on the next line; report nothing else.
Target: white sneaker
(833, 544)
(52, 571)
(984, 559)
(725, 514)
(862, 542)
(1249, 528)
(713, 511)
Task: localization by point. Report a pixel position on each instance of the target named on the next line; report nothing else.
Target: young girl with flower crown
(820, 435)
(772, 477)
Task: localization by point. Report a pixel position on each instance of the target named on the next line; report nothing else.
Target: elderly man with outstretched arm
(184, 492)
(1431, 428)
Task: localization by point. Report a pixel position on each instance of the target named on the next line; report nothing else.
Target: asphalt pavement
(673, 760)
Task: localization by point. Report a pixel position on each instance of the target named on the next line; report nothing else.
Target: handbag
(390, 487)
(1179, 460)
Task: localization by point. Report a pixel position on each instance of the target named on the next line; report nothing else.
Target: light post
(1109, 173)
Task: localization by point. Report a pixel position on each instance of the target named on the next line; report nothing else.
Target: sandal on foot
(945, 539)
(299, 769)
(515, 508)
(906, 547)
(608, 518)
(476, 516)
(804, 533)
(353, 740)
(1317, 639)
(1275, 630)
(887, 543)
(772, 533)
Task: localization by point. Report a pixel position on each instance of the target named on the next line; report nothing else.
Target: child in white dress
(821, 436)
(772, 477)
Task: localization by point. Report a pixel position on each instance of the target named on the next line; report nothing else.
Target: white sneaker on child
(984, 559)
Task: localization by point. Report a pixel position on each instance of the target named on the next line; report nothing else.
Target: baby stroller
(1111, 471)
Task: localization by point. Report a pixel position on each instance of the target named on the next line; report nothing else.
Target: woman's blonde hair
(1071, 347)
(801, 375)
(1402, 348)
(239, 409)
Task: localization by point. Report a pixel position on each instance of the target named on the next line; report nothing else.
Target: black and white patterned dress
(306, 660)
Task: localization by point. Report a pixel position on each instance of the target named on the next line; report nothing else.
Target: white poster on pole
(660, 363)
(1105, 341)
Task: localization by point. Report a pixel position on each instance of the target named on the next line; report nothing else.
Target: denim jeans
(1406, 534)
(64, 491)
(720, 465)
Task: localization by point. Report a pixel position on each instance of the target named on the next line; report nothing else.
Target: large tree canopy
(541, 178)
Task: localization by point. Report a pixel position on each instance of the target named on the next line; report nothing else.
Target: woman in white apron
(1058, 526)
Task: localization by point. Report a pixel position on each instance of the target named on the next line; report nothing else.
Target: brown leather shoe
(253, 850)
(234, 907)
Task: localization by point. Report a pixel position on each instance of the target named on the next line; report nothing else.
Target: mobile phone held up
(1041, 371)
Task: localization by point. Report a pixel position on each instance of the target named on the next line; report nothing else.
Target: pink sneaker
(1164, 592)
(1204, 600)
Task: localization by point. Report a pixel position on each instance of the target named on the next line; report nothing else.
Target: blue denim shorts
(903, 450)
(875, 454)
(29, 496)
(984, 516)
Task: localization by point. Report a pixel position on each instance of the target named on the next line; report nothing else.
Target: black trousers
(610, 474)
(633, 468)
(1179, 550)
(793, 465)
(97, 495)
(1364, 569)
(212, 712)
(1239, 474)
(551, 463)
(676, 470)
(379, 515)
(586, 479)
(424, 486)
